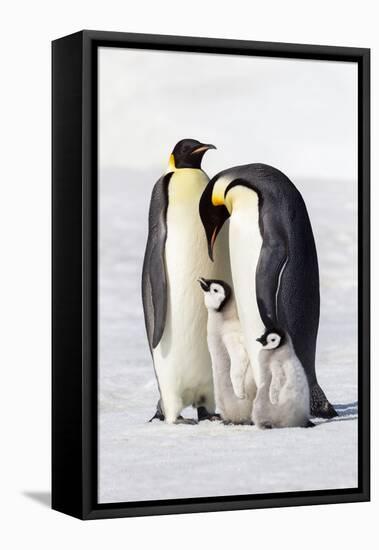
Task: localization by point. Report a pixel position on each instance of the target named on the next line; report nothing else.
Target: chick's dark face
(272, 338)
(188, 153)
(216, 293)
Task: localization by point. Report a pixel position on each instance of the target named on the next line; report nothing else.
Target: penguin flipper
(272, 261)
(154, 279)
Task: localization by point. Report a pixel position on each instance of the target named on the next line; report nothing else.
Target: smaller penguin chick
(283, 395)
(233, 379)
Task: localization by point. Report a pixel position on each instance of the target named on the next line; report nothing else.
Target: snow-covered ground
(143, 461)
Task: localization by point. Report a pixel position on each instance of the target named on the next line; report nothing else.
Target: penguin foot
(203, 414)
(320, 406)
(310, 424)
(158, 413)
(157, 416)
(230, 423)
(189, 421)
(265, 426)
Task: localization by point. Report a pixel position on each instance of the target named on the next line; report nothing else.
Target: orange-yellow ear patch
(217, 200)
(171, 162)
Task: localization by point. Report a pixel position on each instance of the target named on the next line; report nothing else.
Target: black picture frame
(74, 273)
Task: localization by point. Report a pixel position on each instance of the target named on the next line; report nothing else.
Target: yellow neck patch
(171, 163)
(219, 192)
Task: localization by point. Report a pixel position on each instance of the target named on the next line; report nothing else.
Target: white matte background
(27, 30)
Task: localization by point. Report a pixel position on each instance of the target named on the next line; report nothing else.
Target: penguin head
(216, 204)
(216, 293)
(272, 339)
(188, 153)
(214, 207)
(212, 217)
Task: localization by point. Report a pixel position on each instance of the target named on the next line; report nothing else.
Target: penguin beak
(203, 283)
(202, 148)
(261, 340)
(212, 217)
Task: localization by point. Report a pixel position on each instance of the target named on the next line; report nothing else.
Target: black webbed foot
(266, 426)
(189, 421)
(203, 414)
(158, 413)
(320, 406)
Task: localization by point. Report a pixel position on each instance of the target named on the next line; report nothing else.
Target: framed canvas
(210, 306)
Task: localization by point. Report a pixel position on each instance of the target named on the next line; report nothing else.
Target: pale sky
(298, 115)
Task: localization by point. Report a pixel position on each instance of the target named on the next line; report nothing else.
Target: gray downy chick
(233, 377)
(283, 395)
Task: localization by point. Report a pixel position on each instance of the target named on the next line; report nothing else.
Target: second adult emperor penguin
(175, 317)
(273, 261)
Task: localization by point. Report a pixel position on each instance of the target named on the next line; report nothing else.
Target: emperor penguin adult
(175, 317)
(273, 261)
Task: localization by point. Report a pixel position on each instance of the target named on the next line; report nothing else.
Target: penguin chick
(283, 395)
(233, 378)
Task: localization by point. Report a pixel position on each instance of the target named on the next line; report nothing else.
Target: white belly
(182, 361)
(245, 244)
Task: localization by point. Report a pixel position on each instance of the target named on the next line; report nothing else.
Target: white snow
(142, 461)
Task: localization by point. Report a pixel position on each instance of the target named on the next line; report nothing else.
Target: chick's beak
(203, 283)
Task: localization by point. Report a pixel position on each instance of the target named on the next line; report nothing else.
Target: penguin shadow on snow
(345, 411)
